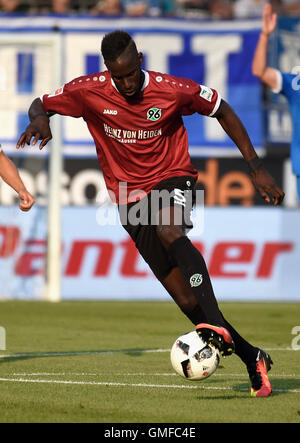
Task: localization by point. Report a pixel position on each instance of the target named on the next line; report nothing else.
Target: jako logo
(110, 111)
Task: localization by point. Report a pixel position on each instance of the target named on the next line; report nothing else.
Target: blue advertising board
(216, 54)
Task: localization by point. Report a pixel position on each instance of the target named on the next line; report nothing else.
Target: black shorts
(140, 220)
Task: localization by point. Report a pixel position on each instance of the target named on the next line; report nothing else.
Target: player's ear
(141, 58)
(107, 66)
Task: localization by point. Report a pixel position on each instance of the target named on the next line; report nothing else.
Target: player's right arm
(39, 127)
(268, 75)
(66, 100)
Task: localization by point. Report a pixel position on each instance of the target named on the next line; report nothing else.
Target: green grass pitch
(109, 362)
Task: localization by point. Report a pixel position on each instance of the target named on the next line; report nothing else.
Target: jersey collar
(145, 84)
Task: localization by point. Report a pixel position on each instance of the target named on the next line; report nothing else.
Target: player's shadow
(222, 397)
(279, 386)
(33, 355)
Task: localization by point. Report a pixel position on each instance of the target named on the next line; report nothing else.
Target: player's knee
(168, 234)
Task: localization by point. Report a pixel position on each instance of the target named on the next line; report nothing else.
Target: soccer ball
(192, 358)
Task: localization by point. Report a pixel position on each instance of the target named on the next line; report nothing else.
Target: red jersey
(139, 142)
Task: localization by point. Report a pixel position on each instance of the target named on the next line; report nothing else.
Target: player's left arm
(262, 180)
(10, 174)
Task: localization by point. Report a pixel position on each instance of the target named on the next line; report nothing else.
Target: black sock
(243, 349)
(194, 270)
(196, 315)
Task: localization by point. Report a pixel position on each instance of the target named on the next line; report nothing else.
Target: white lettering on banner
(8, 116)
(158, 48)
(290, 55)
(289, 185)
(279, 125)
(216, 49)
(77, 47)
(16, 102)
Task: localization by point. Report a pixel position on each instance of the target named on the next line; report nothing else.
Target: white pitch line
(102, 383)
(132, 374)
(89, 374)
(281, 349)
(139, 385)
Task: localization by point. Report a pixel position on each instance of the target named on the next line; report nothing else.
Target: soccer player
(9, 173)
(283, 83)
(135, 119)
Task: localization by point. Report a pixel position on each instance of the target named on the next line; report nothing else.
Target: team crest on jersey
(154, 114)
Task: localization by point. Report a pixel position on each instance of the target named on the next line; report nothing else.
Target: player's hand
(266, 186)
(38, 129)
(269, 20)
(26, 200)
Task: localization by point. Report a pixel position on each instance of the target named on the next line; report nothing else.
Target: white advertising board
(251, 254)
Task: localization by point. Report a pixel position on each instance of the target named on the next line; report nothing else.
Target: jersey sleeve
(199, 98)
(290, 84)
(287, 84)
(66, 100)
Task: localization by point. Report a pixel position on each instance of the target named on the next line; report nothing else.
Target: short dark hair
(114, 44)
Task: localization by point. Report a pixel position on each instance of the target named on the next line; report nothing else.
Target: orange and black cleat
(258, 370)
(218, 336)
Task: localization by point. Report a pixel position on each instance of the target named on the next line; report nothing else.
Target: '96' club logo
(153, 114)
